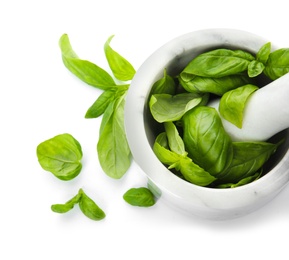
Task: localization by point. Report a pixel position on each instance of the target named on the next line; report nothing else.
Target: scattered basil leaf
(232, 104)
(277, 64)
(206, 140)
(85, 70)
(218, 86)
(165, 85)
(165, 107)
(103, 101)
(61, 155)
(255, 68)
(264, 52)
(89, 208)
(120, 67)
(219, 63)
(113, 150)
(141, 197)
(63, 208)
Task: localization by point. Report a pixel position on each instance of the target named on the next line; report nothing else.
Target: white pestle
(266, 112)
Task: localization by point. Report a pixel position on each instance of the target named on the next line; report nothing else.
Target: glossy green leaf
(85, 70)
(166, 108)
(120, 67)
(218, 86)
(89, 208)
(264, 52)
(63, 208)
(176, 143)
(113, 150)
(61, 155)
(103, 101)
(165, 85)
(206, 140)
(141, 197)
(242, 182)
(232, 104)
(219, 63)
(255, 68)
(277, 64)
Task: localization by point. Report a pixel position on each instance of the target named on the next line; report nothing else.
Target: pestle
(266, 112)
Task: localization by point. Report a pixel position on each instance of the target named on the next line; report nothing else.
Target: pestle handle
(266, 113)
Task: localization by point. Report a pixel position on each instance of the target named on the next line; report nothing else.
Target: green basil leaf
(89, 208)
(101, 104)
(165, 85)
(85, 70)
(218, 86)
(264, 52)
(63, 208)
(248, 158)
(141, 197)
(242, 182)
(112, 147)
(120, 67)
(255, 68)
(61, 155)
(232, 104)
(206, 140)
(176, 143)
(219, 63)
(165, 107)
(277, 64)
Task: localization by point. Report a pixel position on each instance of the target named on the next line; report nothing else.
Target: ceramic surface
(141, 131)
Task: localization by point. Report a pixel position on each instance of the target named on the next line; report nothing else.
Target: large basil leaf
(61, 155)
(219, 63)
(165, 107)
(112, 147)
(277, 64)
(218, 86)
(232, 104)
(248, 158)
(85, 70)
(206, 141)
(121, 68)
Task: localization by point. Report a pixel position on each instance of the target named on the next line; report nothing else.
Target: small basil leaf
(176, 143)
(120, 67)
(165, 85)
(141, 197)
(206, 140)
(218, 86)
(277, 64)
(248, 158)
(255, 68)
(63, 208)
(166, 108)
(264, 52)
(61, 155)
(219, 63)
(85, 70)
(89, 208)
(113, 150)
(232, 104)
(101, 104)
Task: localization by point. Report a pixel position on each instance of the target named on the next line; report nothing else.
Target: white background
(39, 99)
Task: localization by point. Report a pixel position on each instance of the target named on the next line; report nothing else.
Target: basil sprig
(112, 147)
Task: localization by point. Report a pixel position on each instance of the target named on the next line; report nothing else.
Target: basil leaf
(248, 158)
(232, 104)
(206, 140)
(165, 107)
(176, 143)
(264, 52)
(83, 69)
(219, 63)
(165, 85)
(277, 64)
(218, 86)
(255, 68)
(61, 155)
(112, 147)
(242, 182)
(101, 104)
(141, 197)
(89, 208)
(120, 67)
(63, 208)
